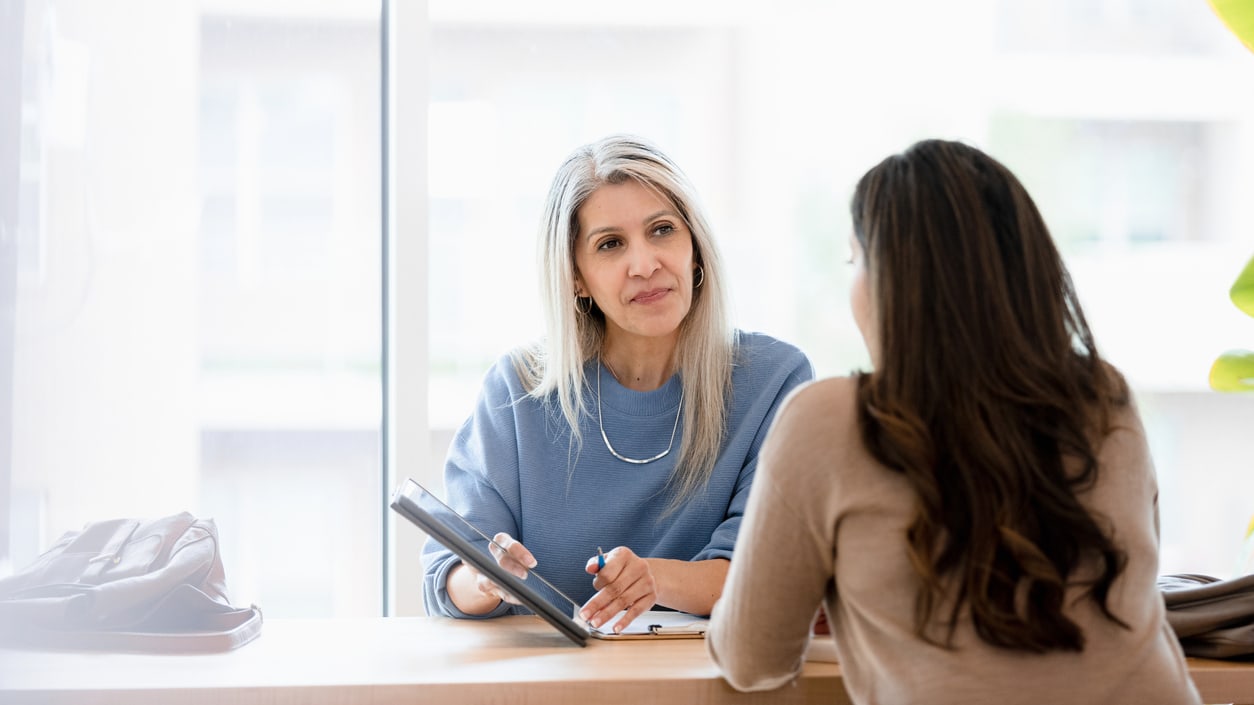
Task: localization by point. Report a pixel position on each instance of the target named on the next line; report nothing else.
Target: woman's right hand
(511, 555)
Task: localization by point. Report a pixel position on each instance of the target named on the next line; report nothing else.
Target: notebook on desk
(440, 521)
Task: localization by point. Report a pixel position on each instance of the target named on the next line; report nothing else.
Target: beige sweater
(826, 524)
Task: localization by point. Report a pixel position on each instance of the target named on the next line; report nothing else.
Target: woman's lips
(648, 297)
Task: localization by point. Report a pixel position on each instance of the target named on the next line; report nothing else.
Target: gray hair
(706, 340)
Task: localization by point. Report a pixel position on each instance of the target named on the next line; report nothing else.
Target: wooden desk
(432, 660)
(398, 660)
(1223, 681)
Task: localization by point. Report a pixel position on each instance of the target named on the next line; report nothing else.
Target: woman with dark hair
(978, 515)
(635, 423)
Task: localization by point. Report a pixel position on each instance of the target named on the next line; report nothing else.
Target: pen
(600, 558)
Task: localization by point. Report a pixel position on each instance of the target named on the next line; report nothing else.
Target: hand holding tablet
(450, 529)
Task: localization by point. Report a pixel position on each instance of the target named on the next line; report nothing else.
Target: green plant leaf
(1239, 16)
(1233, 372)
(1242, 291)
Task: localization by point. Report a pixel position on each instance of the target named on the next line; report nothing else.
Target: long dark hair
(989, 396)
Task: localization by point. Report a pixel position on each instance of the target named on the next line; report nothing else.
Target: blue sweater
(509, 469)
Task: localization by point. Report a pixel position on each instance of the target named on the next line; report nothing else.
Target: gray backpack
(128, 585)
(1213, 618)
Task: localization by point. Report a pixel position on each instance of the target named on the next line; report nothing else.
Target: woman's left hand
(625, 583)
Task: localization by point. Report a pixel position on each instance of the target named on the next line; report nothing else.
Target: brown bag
(1213, 618)
(128, 585)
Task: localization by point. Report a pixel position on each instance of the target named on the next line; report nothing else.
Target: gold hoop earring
(699, 275)
(585, 310)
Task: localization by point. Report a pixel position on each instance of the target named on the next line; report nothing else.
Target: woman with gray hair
(634, 423)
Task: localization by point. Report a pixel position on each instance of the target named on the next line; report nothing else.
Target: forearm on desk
(688, 586)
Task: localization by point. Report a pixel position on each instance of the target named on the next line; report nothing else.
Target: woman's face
(634, 257)
(860, 301)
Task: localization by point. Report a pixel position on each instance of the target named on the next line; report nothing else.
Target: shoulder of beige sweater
(819, 413)
(832, 397)
(1126, 446)
(814, 448)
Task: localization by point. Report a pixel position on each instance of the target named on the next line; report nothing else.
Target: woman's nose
(643, 260)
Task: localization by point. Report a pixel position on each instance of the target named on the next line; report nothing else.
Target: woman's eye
(665, 229)
(609, 244)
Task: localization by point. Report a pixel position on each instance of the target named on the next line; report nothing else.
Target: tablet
(414, 502)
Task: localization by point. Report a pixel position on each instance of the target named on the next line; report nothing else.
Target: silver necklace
(620, 456)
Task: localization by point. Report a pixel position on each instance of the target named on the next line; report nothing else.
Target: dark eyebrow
(648, 219)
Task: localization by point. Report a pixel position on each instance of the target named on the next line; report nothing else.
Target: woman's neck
(642, 366)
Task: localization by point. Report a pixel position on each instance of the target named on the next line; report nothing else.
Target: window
(198, 308)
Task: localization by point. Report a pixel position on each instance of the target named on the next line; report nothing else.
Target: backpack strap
(111, 552)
